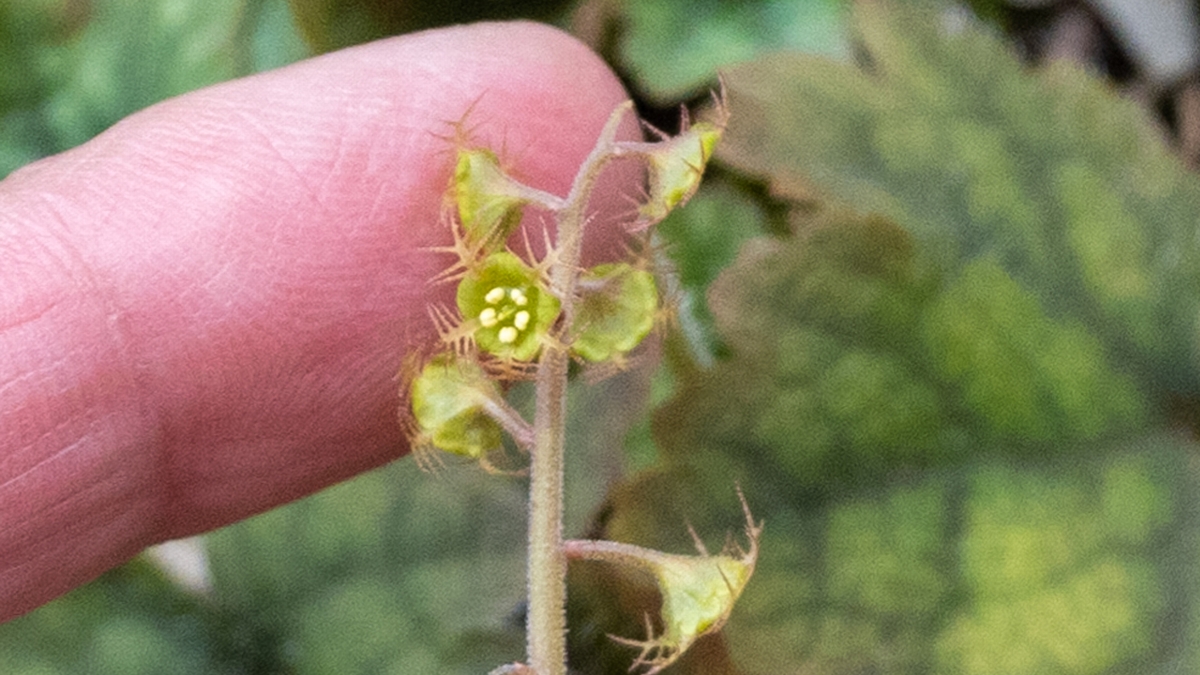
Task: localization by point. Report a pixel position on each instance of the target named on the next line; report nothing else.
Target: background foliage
(938, 319)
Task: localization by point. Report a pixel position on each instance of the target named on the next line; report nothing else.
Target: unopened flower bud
(675, 167)
(488, 201)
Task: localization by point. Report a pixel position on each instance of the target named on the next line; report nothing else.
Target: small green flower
(449, 397)
(509, 306)
(615, 310)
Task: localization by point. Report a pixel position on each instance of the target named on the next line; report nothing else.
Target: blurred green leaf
(333, 24)
(130, 55)
(853, 356)
(1058, 584)
(701, 240)
(75, 68)
(384, 573)
(998, 567)
(394, 572)
(951, 413)
(29, 32)
(270, 34)
(132, 620)
(673, 48)
(1064, 186)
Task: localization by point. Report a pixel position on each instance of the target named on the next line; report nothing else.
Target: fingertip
(249, 266)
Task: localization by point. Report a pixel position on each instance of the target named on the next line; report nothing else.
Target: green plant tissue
(957, 393)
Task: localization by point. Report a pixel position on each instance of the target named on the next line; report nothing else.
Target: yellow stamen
(488, 317)
(495, 295)
(521, 320)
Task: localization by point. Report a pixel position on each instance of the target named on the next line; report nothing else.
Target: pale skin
(203, 310)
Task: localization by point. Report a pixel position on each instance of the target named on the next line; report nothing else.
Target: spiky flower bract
(698, 595)
(676, 165)
(488, 202)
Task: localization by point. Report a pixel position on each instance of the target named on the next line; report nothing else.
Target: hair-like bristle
(461, 135)
(453, 330)
(465, 255)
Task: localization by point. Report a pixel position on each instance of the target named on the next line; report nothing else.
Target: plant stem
(614, 552)
(510, 420)
(546, 628)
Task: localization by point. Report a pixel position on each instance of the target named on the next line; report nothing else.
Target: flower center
(506, 310)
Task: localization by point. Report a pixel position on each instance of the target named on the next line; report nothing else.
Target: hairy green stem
(510, 420)
(546, 627)
(614, 552)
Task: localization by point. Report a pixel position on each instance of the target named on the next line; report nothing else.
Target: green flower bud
(698, 592)
(509, 306)
(698, 595)
(675, 167)
(448, 401)
(488, 201)
(615, 311)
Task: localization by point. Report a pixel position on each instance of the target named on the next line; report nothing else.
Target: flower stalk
(517, 317)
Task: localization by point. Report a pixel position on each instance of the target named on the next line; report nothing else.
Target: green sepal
(509, 306)
(698, 594)
(615, 310)
(489, 203)
(448, 400)
(698, 591)
(675, 167)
